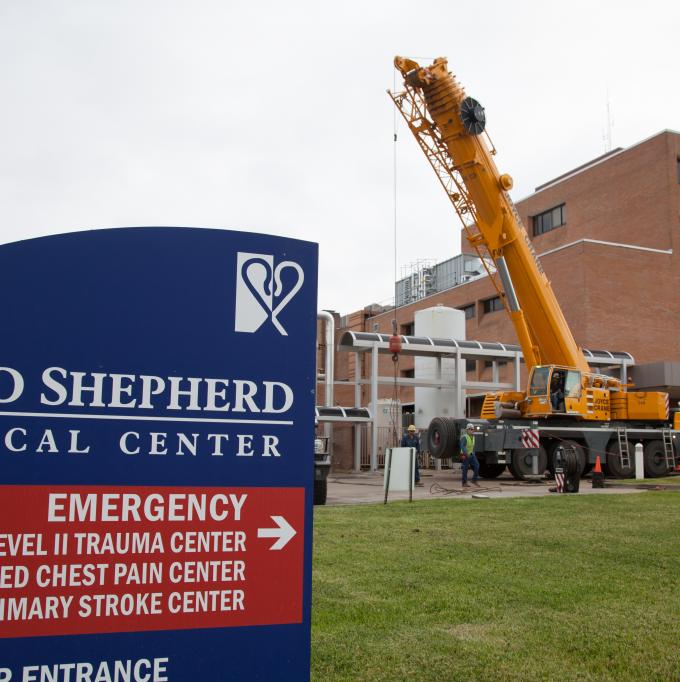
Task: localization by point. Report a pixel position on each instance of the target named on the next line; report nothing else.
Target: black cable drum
(567, 459)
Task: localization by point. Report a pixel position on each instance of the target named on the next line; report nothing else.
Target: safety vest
(469, 444)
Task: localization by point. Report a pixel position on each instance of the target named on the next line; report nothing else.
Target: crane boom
(447, 125)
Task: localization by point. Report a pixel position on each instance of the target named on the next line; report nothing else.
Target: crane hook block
(472, 115)
(395, 346)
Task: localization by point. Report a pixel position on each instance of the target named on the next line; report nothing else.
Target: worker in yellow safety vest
(467, 455)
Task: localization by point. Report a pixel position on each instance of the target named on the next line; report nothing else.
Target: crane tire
(521, 464)
(441, 438)
(491, 470)
(613, 465)
(655, 459)
(550, 448)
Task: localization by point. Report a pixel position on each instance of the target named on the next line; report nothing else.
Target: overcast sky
(273, 117)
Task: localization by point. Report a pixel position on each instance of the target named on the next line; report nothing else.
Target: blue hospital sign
(156, 464)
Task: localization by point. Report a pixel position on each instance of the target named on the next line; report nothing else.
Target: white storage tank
(387, 414)
(444, 323)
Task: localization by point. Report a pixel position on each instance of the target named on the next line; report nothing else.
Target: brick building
(608, 237)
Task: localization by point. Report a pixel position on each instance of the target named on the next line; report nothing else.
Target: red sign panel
(95, 559)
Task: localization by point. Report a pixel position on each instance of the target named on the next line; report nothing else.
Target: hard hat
(470, 427)
(411, 428)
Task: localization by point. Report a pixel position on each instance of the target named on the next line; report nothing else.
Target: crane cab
(554, 390)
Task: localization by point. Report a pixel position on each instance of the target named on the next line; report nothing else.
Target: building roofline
(592, 163)
(578, 169)
(619, 245)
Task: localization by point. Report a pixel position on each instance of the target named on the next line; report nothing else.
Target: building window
(489, 363)
(408, 373)
(469, 311)
(407, 329)
(549, 220)
(491, 305)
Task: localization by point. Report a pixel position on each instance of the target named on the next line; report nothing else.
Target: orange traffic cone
(598, 477)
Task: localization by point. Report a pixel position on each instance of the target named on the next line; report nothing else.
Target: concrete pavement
(367, 487)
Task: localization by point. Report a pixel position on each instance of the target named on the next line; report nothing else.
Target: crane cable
(394, 180)
(395, 392)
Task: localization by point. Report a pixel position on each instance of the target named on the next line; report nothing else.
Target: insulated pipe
(329, 371)
(357, 403)
(329, 340)
(374, 403)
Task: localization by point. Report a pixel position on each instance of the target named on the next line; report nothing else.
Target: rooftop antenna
(607, 134)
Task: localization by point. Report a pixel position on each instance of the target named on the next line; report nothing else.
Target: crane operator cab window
(572, 385)
(557, 382)
(565, 389)
(559, 387)
(539, 381)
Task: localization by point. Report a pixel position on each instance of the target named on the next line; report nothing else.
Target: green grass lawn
(565, 587)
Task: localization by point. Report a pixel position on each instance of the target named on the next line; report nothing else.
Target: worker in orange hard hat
(411, 440)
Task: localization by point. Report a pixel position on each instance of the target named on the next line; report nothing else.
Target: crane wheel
(442, 438)
(655, 459)
(490, 470)
(522, 463)
(613, 465)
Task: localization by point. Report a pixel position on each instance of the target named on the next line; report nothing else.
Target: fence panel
(386, 439)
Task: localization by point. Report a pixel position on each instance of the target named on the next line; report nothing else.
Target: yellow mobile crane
(450, 129)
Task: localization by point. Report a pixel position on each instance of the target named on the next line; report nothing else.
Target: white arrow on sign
(285, 532)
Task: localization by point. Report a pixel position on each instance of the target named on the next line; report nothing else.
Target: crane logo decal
(263, 290)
